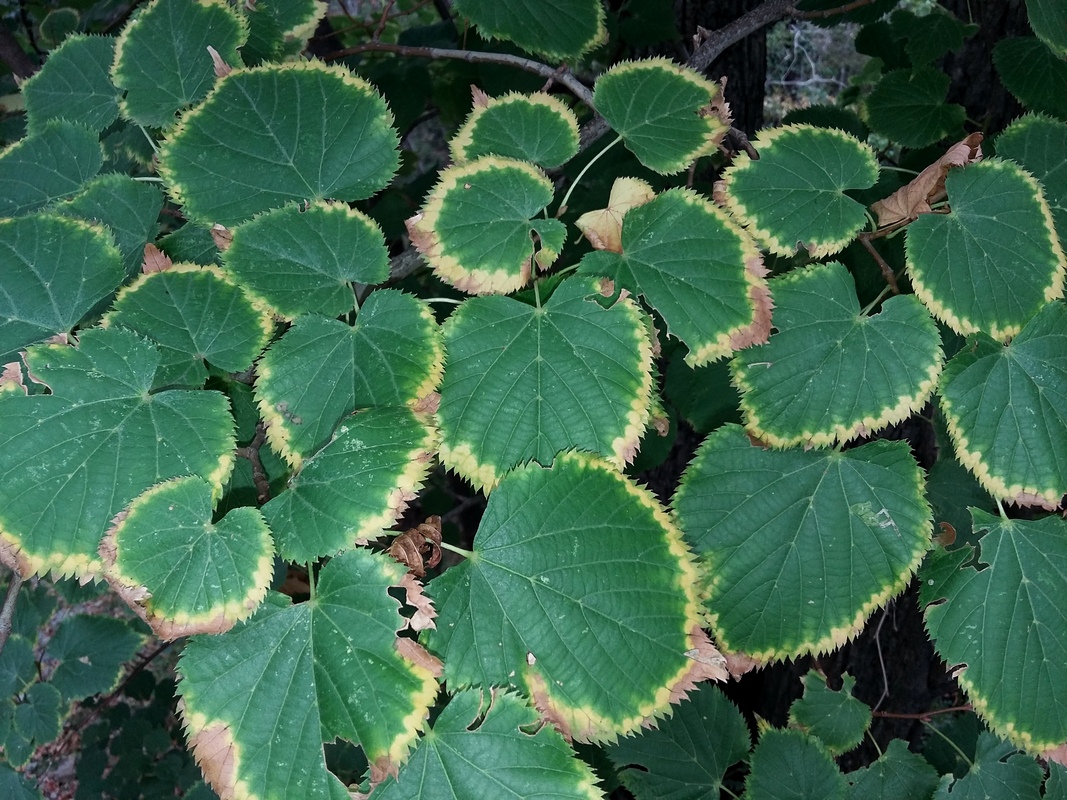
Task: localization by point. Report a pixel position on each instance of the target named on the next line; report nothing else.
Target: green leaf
(38, 717)
(698, 269)
(1056, 785)
(1048, 18)
(162, 60)
(259, 700)
(52, 163)
(53, 271)
(1033, 73)
(909, 108)
(686, 755)
(835, 718)
(581, 592)
(18, 667)
(283, 27)
(794, 195)
(525, 383)
(191, 244)
(91, 651)
(1039, 145)
(560, 30)
(127, 207)
(322, 370)
(994, 260)
(790, 765)
(832, 373)
(74, 84)
(998, 771)
(16, 787)
(195, 314)
(1013, 651)
(486, 748)
(800, 547)
(931, 35)
(303, 260)
(667, 115)
(182, 572)
(71, 460)
(355, 488)
(272, 135)
(990, 394)
(898, 774)
(476, 224)
(527, 127)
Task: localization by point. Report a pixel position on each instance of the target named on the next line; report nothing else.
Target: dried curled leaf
(155, 260)
(928, 187)
(603, 227)
(412, 546)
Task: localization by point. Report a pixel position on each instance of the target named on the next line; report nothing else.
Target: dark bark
(744, 64)
(975, 84)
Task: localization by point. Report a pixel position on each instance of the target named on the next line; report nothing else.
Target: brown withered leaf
(11, 378)
(222, 236)
(603, 227)
(412, 547)
(479, 99)
(155, 260)
(928, 187)
(222, 69)
(414, 596)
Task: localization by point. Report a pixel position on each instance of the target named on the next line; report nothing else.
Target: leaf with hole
(698, 269)
(356, 487)
(994, 259)
(525, 383)
(832, 373)
(259, 700)
(479, 227)
(54, 272)
(182, 572)
(1013, 652)
(579, 591)
(998, 770)
(305, 260)
(53, 163)
(322, 370)
(529, 759)
(990, 395)
(162, 61)
(195, 314)
(898, 774)
(557, 29)
(75, 84)
(800, 547)
(794, 195)
(72, 459)
(667, 115)
(528, 127)
(686, 755)
(308, 132)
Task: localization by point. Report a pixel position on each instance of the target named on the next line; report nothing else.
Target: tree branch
(563, 76)
(16, 59)
(259, 475)
(8, 611)
(715, 42)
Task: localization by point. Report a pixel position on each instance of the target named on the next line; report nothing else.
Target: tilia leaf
(74, 84)
(259, 700)
(832, 373)
(529, 127)
(1012, 653)
(525, 383)
(581, 592)
(800, 547)
(450, 761)
(698, 269)
(72, 459)
(557, 29)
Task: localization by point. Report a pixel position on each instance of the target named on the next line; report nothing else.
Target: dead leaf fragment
(155, 260)
(222, 237)
(419, 656)
(603, 227)
(11, 378)
(222, 69)
(928, 187)
(479, 99)
(414, 596)
(419, 547)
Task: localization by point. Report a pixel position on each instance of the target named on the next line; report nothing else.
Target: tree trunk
(975, 83)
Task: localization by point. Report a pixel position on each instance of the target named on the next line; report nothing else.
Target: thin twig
(887, 271)
(383, 20)
(7, 613)
(923, 715)
(565, 77)
(259, 475)
(833, 12)
(714, 43)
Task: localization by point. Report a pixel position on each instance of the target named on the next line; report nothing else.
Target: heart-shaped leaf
(527, 127)
(909, 108)
(556, 29)
(181, 572)
(74, 83)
